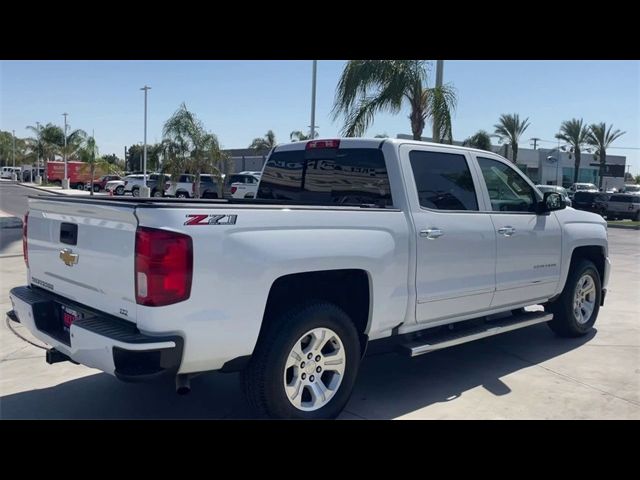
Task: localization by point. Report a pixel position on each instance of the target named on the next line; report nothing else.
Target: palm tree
(87, 154)
(574, 132)
(508, 130)
(264, 144)
(193, 149)
(298, 136)
(367, 87)
(480, 140)
(601, 138)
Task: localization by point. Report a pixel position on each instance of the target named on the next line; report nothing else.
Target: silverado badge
(68, 257)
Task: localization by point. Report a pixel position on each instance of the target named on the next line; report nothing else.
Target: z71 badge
(198, 219)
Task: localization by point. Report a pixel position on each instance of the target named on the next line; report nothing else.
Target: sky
(241, 100)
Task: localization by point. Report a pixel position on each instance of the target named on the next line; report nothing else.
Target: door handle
(431, 233)
(506, 231)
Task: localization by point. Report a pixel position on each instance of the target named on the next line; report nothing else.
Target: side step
(446, 339)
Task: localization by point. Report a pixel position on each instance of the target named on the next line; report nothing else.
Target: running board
(494, 327)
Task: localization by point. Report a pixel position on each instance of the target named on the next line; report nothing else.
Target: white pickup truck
(349, 241)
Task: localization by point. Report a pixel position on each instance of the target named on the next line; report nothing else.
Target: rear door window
(443, 181)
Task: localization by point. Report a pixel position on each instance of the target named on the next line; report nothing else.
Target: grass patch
(631, 223)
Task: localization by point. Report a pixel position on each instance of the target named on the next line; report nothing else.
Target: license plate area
(69, 316)
(55, 319)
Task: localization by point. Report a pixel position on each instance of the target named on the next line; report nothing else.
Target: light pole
(14, 175)
(144, 191)
(313, 100)
(38, 176)
(65, 180)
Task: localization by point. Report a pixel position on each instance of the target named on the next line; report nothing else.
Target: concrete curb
(41, 189)
(624, 227)
(10, 222)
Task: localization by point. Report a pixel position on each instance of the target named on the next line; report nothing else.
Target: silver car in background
(623, 205)
(558, 189)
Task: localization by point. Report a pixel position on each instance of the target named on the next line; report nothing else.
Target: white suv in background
(247, 187)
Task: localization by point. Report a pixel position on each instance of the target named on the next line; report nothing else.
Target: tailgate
(84, 250)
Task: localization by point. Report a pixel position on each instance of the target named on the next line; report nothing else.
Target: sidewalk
(59, 190)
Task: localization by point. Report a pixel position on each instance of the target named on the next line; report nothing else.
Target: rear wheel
(182, 195)
(305, 364)
(119, 190)
(96, 188)
(156, 193)
(576, 310)
(135, 192)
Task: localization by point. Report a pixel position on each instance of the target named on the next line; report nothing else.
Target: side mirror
(550, 202)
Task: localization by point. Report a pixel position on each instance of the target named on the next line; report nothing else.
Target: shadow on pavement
(10, 241)
(389, 385)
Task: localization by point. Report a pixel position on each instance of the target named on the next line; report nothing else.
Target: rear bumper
(97, 340)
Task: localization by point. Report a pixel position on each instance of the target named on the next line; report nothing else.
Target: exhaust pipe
(183, 384)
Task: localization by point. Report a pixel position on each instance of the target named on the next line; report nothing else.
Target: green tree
(87, 153)
(298, 136)
(367, 87)
(194, 149)
(264, 144)
(574, 132)
(480, 140)
(509, 129)
(638, 179)
(599, 137)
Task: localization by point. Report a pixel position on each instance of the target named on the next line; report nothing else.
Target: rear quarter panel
(235, 266)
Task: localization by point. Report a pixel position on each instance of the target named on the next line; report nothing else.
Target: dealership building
(556, 167)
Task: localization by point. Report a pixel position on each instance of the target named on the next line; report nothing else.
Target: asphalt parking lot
(526, 374)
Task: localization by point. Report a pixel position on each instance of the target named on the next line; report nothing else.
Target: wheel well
(593, 253)
(348, 289)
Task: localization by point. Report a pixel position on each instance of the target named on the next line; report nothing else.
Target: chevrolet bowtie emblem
(68, 257)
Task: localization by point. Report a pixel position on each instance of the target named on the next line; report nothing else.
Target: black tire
(96, 188)
(135, 192)
(564, 323)
(119, 190)
(80, 186)
(182, 195)
(157, 193)
(263, 378)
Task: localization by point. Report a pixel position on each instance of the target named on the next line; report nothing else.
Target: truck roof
(359, 142)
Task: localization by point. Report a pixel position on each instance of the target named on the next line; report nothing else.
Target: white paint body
(415, 282)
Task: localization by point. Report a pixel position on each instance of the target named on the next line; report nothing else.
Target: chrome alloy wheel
(584, 299)
(314, 369)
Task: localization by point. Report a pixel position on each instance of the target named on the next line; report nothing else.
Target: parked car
(556, 188)
(432, 245)
(115, 186)
(248, 182)
(595, 202)
(7, 172)
(155, 182)
(185, 186)
(581, 187)
(631, 189)
(623, 205)
(246, 188)
(101, 182)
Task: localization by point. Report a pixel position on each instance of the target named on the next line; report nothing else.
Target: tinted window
(186, 179)
(350, 176)
(625, 198)
(508, 191)
(443, 181)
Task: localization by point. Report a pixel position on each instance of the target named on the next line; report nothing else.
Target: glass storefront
(585, 175)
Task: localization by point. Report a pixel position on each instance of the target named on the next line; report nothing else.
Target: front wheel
(576, 310)
(119, 190)
(305, 364)
(96, 188)
(135, 192)
(182, 195)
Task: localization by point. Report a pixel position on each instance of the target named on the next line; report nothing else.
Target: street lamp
(144, 191)
(38, 176)
(14, 175)
(313, 99)
(65, 180)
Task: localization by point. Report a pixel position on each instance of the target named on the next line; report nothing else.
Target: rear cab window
(327, 176)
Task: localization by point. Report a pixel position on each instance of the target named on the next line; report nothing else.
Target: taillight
(164, 267)
(233, 190)
(323, 144)
(25, 251)
(166, 186)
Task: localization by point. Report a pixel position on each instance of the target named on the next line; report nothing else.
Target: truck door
(456, 243)
(528, 244)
